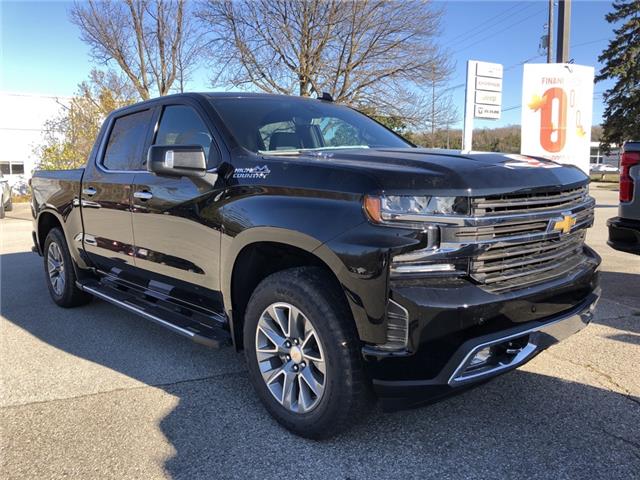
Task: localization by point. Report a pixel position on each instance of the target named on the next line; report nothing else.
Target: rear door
(106, 192)
(177, 220)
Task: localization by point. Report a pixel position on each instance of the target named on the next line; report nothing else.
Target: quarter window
(126, 141)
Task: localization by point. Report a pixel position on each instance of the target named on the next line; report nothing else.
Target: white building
(22, 122)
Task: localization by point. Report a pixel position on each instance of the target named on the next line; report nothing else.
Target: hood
(452, 173)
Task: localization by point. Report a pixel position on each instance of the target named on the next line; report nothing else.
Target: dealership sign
(483, 96)
(557, 103)
(487, 111)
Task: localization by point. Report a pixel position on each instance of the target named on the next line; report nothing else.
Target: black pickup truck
(346, 263)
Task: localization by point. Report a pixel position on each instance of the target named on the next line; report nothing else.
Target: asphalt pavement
(96, 392)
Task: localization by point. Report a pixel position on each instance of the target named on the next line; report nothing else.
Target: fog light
(481, 357)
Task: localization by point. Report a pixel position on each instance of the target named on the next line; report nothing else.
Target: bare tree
(69, 136)
(152, 41)
(373, 53)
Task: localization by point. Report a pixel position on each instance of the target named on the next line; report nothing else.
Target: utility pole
(433, 108)
(550, 33)
(564, 30)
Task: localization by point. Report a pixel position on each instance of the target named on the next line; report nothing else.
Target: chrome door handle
(90, 191)
(143, 195)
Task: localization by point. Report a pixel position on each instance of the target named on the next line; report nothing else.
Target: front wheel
(61, 277)
(303, 353)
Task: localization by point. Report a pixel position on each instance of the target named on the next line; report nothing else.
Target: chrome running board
(204, 334)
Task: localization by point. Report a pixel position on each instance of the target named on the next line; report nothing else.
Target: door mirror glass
(177, 160)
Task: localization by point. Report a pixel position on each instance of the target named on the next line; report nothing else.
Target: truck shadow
(520, 422)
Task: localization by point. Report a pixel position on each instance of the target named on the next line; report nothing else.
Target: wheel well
(256, 262)
(46, 222)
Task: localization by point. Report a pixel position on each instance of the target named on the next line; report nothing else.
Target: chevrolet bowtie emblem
(565, 225)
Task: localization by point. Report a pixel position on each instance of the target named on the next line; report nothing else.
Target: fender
(370, 329)
(365, 285)
(72, 229)
(58, 193)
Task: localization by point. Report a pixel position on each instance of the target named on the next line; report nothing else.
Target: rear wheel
(303, 353)
(61, 276)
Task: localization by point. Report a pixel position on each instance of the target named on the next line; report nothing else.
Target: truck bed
(57, 187)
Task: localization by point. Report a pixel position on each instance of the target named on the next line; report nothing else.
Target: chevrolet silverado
(345, 262)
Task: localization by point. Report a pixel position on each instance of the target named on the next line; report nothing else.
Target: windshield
(283, 125)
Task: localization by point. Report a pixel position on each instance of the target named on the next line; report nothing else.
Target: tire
(9, 206)
(62, 283)
(345, 393)
(1, 207)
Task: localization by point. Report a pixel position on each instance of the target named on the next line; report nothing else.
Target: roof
(215, 95)
(210, 96)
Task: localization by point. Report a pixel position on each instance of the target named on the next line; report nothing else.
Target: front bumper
(624, 234)
(445, 334)
(457, 374)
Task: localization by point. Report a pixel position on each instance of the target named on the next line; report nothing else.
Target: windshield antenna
(325, 96)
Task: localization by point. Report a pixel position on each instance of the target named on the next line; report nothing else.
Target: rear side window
(126, 142)
(181, 125)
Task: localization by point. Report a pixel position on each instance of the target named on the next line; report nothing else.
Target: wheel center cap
(296, 354)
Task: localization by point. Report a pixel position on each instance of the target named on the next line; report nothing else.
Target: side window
(126, 142)
(181, 125)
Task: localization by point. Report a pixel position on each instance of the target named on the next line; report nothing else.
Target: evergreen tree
(622, 64)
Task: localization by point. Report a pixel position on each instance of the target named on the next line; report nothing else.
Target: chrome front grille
(529, 202)
(524, 264)
(524, 227)
(521, 248)
(510, 241)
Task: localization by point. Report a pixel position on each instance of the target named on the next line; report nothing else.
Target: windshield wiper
(305, 150)
(279, 152)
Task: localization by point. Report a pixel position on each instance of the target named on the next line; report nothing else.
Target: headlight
(412, 208)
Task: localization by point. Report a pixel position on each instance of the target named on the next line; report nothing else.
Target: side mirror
(177, 160)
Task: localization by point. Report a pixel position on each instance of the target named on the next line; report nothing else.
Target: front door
(106, 193)
(177, 220)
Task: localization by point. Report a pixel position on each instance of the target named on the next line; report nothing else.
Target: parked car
(346, 262)
(19, 185)
(624, 230)
(6, 203)
(603, 168)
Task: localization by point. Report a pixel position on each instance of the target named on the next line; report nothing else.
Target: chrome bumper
(510, 350)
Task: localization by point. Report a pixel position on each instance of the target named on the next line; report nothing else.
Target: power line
(589, 42)
(455, 87)
(511, 67)
(515, 107)
(478, 28)
(512, 25)
(577, 45)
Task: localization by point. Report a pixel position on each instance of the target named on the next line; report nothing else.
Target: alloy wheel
(290, 357)
(55, 266)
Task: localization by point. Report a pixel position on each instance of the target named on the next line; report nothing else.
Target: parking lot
(95, 392)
